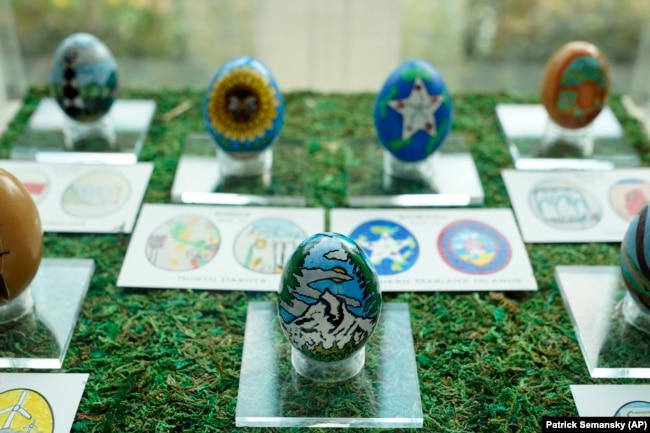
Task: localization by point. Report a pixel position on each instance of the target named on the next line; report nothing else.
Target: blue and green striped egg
(635, 259)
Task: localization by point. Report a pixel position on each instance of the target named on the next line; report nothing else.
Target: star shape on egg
(418, 110)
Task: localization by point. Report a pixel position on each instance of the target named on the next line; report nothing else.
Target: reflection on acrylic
(565, 206)
(473, 247)
(183, 243)
(25, 410)
(96, 194)
(392, 248)
(628, 196)
(265, 245)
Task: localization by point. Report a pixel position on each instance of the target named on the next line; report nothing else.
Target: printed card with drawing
(577, 206)
(215, 247)
(612, 400)
(84, 198)
(440, 249)
(40, 402)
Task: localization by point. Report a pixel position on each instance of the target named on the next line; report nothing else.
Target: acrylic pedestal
(45, 138)
(447, 178)
(200, 178)
(41, 338)
(594, 297)
(385, 393)
(525, 126)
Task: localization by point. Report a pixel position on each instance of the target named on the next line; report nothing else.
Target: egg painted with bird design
(84, 77)
(575, 84)
(243, 108)
(413, 111)
(21, 238)
(329, 301)
(635, 259)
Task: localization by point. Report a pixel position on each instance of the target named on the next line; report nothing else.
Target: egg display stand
(206, 175)
(535, 143)
(384, 394)
(594, 298)
(40, 339)
(447, 178)
(46, 137)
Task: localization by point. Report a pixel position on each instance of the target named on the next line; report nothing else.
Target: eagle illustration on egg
(413, 111)
(21, 238)
(84, 77)
(243, 108)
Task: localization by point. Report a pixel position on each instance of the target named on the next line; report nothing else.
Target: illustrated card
(215, 247)
(612, 400)
(84, 198)
(40, 402)
(577, 206)
(440, 249)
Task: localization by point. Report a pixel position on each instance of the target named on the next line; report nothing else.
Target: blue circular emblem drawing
(391, 247)
(634, 408)
(473, 247)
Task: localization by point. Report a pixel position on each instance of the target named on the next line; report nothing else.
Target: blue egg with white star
(413, 111)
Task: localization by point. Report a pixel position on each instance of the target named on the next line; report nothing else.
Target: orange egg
(575, 84)
(21, 237)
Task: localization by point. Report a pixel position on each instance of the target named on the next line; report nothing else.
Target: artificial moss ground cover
(168, 360)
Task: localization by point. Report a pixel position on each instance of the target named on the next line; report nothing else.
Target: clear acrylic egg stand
(530, 138)
(446, 178)
(45, 140)
(40, 339)
(207, 175)
(594, 298)
(384, 394)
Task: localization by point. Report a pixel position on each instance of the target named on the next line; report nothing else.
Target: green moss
(169, 360)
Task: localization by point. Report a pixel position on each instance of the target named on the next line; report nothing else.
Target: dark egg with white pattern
(21, 237)
(413, 111)
(84, 77)
(329, 302)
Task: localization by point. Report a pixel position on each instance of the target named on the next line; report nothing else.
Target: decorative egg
(84, 77)
(329, 302)
(635, 259)
(575, 84)
(21, 237)
(413, 111)
(243, 108)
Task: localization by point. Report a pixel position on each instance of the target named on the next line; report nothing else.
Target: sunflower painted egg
(575, 84)
(329, 302)
(243, 109)
(635, 259)
(412, 111)
(84, 77)
(21, 237)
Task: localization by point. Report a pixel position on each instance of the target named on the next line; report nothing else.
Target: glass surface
(12, 74)
(369, 184)
(199, 176)
(526, 127)
(45, 138)
(593, 296)
(385, 393)
(58, 290)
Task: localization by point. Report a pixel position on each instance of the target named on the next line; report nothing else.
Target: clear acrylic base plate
(41, 339)
(593, 296)
(455, 181)
(44, 139)
(198, 179)
(523, 126)
(385, 394)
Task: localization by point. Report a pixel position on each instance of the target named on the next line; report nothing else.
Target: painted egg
(84, 77)
(575, 84)
(635, 259)
(329, 302)
(243, 108)
(21, 237)
(413, 111)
